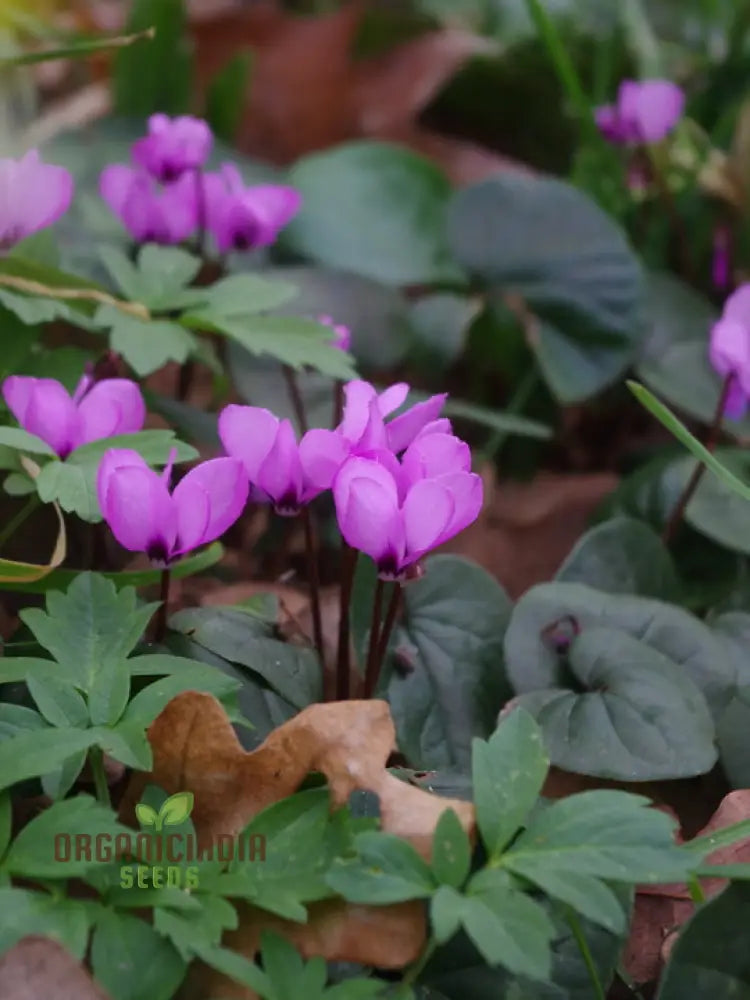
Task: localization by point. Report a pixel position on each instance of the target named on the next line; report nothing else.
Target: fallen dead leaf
(527, 529)
(195, 749)
(660, 910)
(37, 968)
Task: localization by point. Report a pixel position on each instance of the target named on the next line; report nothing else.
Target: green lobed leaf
(508, 773)
(146, 345)
(31, 753)
(159, 277)
(59, 703)
(132, 960)
(387, 869)
(24, 912)
(451, 851)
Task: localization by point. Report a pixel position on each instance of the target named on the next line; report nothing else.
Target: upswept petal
(366, 500)
(136, 504)
(467, 491)
(43, 193)
(280, 475)
(660, 104)
(112, 406)
(248, 433)
(391, 398)
(428, 511)
(208, 501)
(403, 429)
(431, 455)
(737, 306)
(43, 407)
(357, 397)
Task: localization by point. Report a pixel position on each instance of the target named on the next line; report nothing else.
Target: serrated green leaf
(189, 676)
(126, 742)
(386, 870)
(451, 851)
(510, 929)
(241, 295)
(508, 772)
(31, 753)
(59, 703)
(146, 345)
(132, 960)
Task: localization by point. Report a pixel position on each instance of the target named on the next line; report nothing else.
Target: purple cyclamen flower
(397, 519)
(279, 469)
(244, 218)
(98, 410)
(365, 410)
(646, 111)
(144, 516)
(150, 213)
(173, 146)
(33, 195)
(342, 335)
(729, 350)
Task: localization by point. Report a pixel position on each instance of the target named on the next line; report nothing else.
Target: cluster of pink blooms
(165, 195)
(401, 484)
(729, 350)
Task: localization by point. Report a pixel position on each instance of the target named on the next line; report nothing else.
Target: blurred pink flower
(729, 350)
(33, 195)
(173, 146)
(645, 112)
(245, 218)
(151, 213)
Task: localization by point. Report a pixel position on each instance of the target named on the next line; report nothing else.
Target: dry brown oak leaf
(195, 749)
(38, 968)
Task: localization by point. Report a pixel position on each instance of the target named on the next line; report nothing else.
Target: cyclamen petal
(43, 407)
(280, 475)
(366, 499)
(151, 214)
(208, 501)
(403, 429)
(248, 433)
(433, 455)
(173, 146)
(322, 453)
(428, 510)
(246, 217)
(645, 112)
(33, 195)
(110, 407)
(135, 503)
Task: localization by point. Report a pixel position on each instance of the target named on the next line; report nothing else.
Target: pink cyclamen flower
(364, 426)
(244, 218)
(145, 516)
(287, 473)
(729, 350)
(646, 111)
(397, 519)
(342, 335)
(150, 213)
(43, 406)
(33, 195)
(173, 146)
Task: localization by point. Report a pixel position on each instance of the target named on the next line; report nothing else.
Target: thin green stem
(311, 545)
(414, 971)
(563, 65)
(96, 763)
(588, 960)
(18, 519)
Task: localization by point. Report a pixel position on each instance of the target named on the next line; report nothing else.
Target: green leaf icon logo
(146, 815)
(176, 809)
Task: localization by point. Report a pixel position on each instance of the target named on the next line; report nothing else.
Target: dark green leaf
(146, 345)
(146, 705)
(455, 618)
(20, 440)
(710, 958)
(547, 241)
(622, 556)
(441, 323)
(34, 752)
(376, 210)
(511, 930)
(59, 703)
(240, 638)
(126, 742)
(158, 279)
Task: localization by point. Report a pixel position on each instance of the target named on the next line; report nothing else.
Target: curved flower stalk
(173, 146)
(33, 195)
(645, 112)
(151, 213)
(144, 516)
(97, 410)
(242, 217)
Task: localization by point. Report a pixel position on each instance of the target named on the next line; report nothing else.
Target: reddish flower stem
(372, 668)
(311, 544)
(391, 615)
(343, 665)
